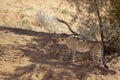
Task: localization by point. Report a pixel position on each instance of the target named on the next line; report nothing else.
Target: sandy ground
(28, 53)
(26, 14)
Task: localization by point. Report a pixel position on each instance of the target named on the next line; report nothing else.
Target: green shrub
(113, 41)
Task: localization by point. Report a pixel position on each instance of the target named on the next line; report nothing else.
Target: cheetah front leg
(73, 55)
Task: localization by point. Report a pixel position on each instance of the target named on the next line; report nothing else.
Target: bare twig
(62, 21)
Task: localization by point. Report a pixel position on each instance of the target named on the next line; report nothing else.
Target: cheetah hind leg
(99, 60)
(103, 62)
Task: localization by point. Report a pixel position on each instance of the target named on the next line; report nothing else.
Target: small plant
(65, 12)
(25, 23)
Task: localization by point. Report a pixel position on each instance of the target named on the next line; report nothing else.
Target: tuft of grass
(66, 12)
(25, 23)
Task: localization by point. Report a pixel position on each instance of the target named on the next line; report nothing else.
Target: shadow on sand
(47, 51)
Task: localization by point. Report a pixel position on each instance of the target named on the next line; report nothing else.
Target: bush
(113, 33)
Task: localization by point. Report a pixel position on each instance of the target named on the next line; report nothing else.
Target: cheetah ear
(60, 39)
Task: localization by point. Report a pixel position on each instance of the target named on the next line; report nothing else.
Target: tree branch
(101, 32)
